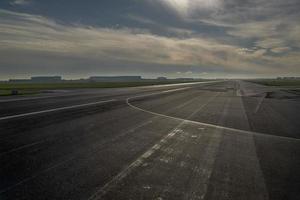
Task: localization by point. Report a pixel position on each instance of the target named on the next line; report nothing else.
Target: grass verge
(34, 88)
(278, 82)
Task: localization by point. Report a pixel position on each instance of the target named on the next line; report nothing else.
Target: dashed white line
(260, 102)
(66, 160)
(139, 161)
(54, 109)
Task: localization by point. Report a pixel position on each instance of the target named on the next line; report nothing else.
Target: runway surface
(217, 140)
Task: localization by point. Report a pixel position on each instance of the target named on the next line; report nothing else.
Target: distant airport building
(115, 78)
(38, 79)
(46, 79)
(19, 80)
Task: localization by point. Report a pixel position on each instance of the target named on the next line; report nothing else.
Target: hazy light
(186, 7)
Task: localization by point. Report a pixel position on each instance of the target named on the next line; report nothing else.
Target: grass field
(278, 82)
(33, 88)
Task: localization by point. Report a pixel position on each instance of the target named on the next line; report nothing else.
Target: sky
(173, 38)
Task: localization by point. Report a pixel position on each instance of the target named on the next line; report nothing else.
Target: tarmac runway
(218, 140)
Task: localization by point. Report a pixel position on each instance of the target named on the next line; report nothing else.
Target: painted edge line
(24, 99)
(82, 105)
(181, 84)
(140, 160)
(66, 95)
(206, 124)
(54, 109)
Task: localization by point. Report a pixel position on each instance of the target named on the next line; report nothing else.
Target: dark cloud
(151, 37)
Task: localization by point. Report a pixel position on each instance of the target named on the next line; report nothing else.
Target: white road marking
(139, 162)
(66, 160)
(22, 99)
(165, 91)
(144, 156)
(260, 102)
(66, 95)
(33, 98)
(54, 109)
(206, 124)
(239, 93)
(248, 162)
(82, 105)
(178, 84)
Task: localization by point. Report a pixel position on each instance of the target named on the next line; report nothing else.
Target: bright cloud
(185, 8)
(225, 37)
(25, 32)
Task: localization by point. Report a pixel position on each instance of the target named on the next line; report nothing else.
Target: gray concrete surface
(221, 140)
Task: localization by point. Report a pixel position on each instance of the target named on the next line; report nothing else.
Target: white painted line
(68, 159)
(140, 160)
(82, 105)
(239, 93)
(174, 90)
(33, 98)
(206, 124)
(66, 95)
(260, 102)
(178, 84)
(54, 110)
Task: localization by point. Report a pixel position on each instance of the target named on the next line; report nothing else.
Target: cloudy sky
(174, 38)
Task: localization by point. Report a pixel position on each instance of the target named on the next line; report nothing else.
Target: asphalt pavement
(217, 140)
